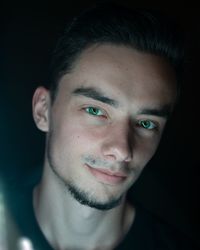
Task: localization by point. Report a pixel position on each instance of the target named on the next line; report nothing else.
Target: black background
(169, 186)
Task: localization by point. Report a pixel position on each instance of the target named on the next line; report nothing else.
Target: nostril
(128, 159)
(117, 152)
(110, 157)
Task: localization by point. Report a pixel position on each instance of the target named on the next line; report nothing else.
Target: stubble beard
(80, 195)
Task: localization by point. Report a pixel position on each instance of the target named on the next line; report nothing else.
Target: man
(114, 83)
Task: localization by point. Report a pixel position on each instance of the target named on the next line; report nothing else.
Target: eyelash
(91, 109)
(154, 125)
(139, 123)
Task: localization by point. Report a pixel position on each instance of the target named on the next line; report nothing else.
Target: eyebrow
(163, 112)
(95, 94)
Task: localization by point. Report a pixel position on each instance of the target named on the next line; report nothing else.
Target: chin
(86, 199)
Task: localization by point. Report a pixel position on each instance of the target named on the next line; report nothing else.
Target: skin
(118, 129)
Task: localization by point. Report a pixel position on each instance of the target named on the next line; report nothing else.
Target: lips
(106, 176)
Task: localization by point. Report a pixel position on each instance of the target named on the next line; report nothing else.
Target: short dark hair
(144, 30)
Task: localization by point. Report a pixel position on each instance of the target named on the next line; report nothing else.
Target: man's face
(107, 120)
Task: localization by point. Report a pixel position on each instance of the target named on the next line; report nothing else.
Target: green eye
(94, 111)
(146, 124)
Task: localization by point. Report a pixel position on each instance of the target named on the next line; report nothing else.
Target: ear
(40, 107)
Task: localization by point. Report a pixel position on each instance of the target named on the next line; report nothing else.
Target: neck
(68, 224)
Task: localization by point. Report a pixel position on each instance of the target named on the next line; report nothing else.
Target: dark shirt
(148, 232)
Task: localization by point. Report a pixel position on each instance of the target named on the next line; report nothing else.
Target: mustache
(98, 162)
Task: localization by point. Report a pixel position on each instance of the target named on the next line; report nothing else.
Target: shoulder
(166, 235)
(150, 232)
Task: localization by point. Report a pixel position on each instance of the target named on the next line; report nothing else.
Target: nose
(118, 144)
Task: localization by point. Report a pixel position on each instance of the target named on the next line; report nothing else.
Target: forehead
(123, 73)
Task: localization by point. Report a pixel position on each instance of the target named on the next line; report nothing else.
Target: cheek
(76, 138)
(144, 150)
